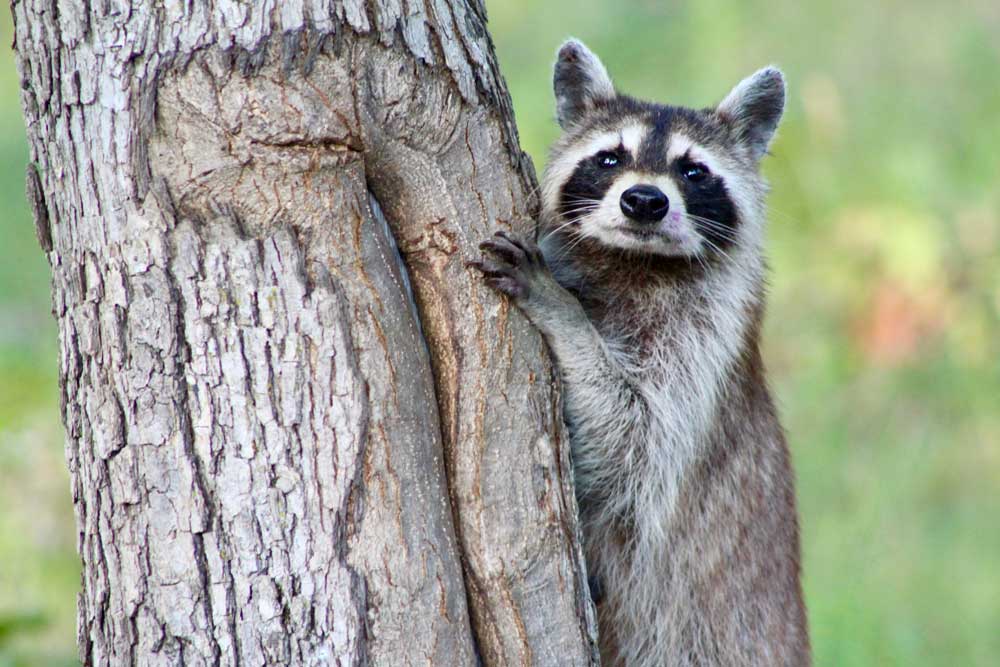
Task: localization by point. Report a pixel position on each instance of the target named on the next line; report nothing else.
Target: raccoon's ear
(580, 82)
(753, 108)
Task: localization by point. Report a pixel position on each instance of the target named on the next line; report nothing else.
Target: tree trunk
(263, 432)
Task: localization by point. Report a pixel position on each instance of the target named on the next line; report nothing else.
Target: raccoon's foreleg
(605, 412)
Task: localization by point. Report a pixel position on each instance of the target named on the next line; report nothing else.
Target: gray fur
(682, 471)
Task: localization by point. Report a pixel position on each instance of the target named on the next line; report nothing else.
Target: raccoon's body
(649, 288)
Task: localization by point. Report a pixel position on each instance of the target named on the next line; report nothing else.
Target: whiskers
(716, 237)
(719, 230)
(571, 217)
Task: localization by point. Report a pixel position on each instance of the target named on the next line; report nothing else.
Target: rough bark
(262, 431)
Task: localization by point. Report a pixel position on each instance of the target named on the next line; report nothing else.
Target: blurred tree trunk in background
(262, 433)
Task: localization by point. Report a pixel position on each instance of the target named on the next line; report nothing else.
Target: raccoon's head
(657, 179)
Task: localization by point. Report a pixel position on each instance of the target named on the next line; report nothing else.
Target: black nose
(645, 203)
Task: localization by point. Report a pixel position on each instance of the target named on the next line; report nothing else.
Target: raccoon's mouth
(653, 239)
(644, 234)
(639, 233)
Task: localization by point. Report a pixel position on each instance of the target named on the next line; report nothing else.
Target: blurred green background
(884, 330)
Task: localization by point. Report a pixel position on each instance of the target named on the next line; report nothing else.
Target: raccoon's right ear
(580, 82)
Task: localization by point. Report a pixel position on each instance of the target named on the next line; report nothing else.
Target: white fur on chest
(683, 380)
(699, 332)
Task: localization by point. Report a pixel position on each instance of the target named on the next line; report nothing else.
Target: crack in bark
(200, 480)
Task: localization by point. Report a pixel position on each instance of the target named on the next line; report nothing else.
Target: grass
(883, 337)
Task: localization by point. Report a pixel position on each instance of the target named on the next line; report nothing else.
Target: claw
(508, 244)
(504, 250)
(511, 239)
(488, 268)
(527, 247)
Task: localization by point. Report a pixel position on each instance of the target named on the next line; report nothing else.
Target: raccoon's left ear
(753, 108)
(580, 82)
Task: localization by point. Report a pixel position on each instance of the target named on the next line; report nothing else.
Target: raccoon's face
(657, 179)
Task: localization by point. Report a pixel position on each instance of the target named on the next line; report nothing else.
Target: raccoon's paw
(518, 266)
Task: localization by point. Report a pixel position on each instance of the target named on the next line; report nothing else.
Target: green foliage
(883, 329)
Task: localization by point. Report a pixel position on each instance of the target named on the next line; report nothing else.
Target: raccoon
(648, 284)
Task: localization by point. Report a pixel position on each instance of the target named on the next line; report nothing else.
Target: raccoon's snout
(644, 203)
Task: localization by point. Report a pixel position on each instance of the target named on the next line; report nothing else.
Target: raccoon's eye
(607, 159)
(694, 172)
